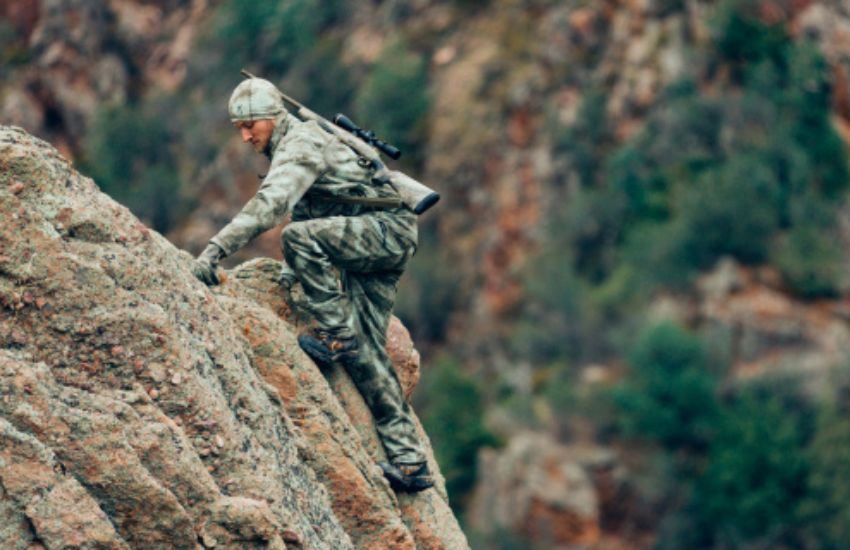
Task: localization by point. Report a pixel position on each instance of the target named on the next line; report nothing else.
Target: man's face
(256, 132)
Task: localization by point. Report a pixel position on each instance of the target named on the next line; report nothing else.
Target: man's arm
(295, 166)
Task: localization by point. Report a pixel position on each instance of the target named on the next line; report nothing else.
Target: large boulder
(140, 409)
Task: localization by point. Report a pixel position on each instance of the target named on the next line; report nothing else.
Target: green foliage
(13, 48)
(555, 299)
(809, 259)
(756, 473)
(393, 100)
(765, 467)
(428, 293)
(129, 154)
(826, 507)
(741, 37)
(584, 142)
(730, 209)
(807, 102)
(452, 414)
(320, 80)
(591, 229)
(668, 394)
(271, 35)
(712, 176)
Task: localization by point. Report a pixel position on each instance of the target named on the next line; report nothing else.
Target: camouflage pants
(370, 255)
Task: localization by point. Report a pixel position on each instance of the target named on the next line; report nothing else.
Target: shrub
(712, 177)
(452, 413)
(270, 35)
(826, 509)
(742, 38)
(557, 300)
(810, 261)
(731, 210)
(584, 142)
(129, 155)
(590, 230)
(429, 293)
(808, 101)
(321, 81)
(13, 48)
(668, 393)
(756, 474)
(393, 100)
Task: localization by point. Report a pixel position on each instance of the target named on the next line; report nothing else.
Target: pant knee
(292, 239)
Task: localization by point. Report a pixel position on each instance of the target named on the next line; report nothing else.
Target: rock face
(765, 330)
(537, 489)
(140, 409)
(81, 54)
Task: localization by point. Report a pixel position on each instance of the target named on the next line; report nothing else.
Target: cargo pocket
(397, 249)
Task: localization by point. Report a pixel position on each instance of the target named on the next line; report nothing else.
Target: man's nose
(246, 135)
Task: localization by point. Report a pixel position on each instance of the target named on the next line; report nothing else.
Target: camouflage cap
(254, 99)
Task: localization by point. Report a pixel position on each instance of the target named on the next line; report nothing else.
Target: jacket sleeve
(296, 164)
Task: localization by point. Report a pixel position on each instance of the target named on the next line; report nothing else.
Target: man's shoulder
(304, 132)
(304, 142)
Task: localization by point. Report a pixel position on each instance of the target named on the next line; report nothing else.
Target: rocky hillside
(506, 83)
(607, 168)
(139, 408)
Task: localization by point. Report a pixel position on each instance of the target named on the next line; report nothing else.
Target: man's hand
(204, 267)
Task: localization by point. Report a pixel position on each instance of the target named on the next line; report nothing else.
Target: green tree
(810, 261)
(825, 510)
(129, 154)
(742, 38)
(452, 413)
(757, 472)
(586, 140)
(668, 394)
(270, 35)
(393, 99)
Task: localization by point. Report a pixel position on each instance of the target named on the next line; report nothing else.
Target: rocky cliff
(509, 83)
(141, 409)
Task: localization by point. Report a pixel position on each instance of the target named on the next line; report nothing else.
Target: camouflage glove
(204, 267)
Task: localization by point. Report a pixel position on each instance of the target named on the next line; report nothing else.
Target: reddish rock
(341, 443)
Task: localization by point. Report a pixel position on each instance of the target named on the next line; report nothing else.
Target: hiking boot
(407, 478)
(325, 350)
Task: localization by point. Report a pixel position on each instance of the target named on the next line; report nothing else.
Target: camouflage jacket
(309, 167)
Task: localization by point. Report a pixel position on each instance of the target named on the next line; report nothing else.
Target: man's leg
(317, 249)
(372, 260)
(373, 295)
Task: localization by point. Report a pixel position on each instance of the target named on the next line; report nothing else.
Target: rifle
(414, 194)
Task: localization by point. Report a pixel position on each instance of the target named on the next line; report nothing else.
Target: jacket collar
(282, 122)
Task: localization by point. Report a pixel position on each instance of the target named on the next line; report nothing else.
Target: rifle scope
(367, 135)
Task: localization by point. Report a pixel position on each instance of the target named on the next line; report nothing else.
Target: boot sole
(404, 483)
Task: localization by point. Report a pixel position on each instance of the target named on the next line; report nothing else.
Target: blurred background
(632, 302)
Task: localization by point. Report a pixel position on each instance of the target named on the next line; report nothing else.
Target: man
(335, 226)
